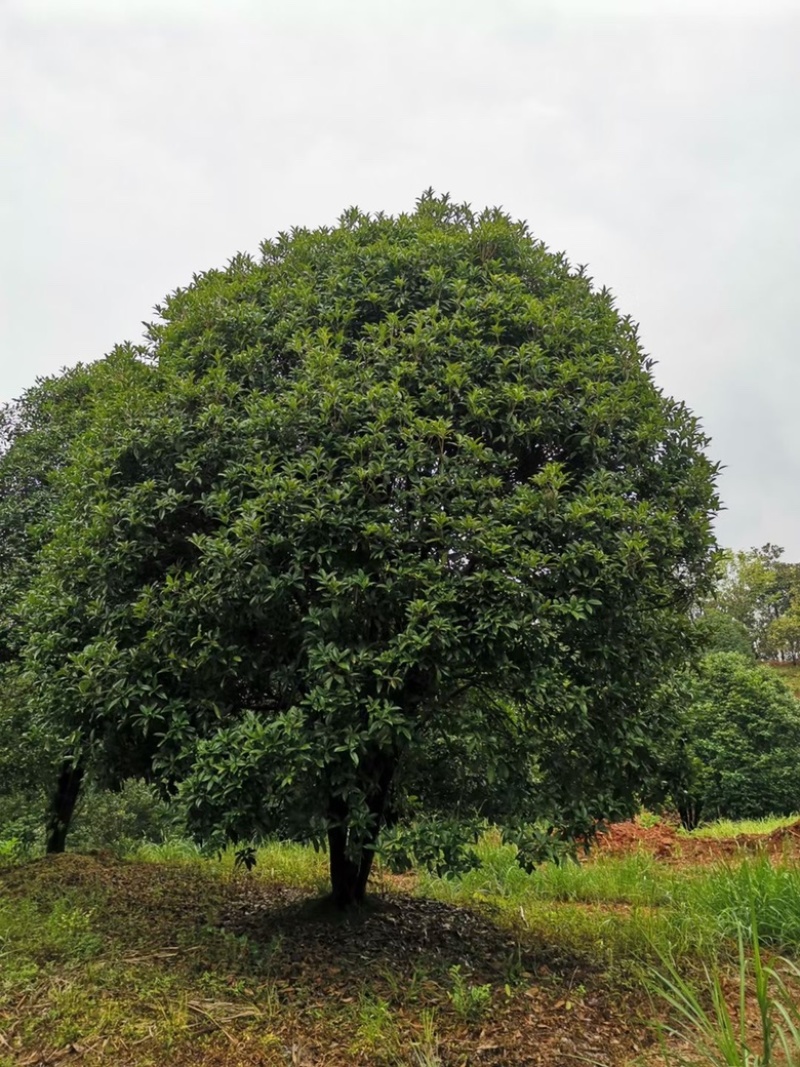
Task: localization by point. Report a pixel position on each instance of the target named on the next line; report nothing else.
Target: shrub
(120, 820)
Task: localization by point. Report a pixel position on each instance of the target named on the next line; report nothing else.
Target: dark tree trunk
(62, 805)
(349, 877)
(689, 811)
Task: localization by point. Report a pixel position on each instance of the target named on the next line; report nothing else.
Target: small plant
(539, 843)
(648, 819)
(245, 857)
(11, 851)
(376, 1026)
(515, 965)
(470, 1001)
(443, 846)
(426, 1052)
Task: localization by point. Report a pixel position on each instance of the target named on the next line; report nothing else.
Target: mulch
(560, 1011)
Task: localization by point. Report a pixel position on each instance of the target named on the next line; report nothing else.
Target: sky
(657, 141)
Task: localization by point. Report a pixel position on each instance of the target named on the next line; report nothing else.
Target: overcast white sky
(656, 140)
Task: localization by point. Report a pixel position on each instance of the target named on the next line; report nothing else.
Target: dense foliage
(735, 738)
(38, 433)
(720, 632)
(396, 483)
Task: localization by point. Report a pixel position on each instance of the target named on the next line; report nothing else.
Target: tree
(720, 632)
(735, 742)
(756, 588)
(38, 432)
(393, 464)
(783, 635)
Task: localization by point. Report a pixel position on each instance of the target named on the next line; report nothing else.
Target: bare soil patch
(665, 843)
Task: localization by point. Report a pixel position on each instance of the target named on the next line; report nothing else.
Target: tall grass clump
(636, 880)
(287, 862)
(729, 895)
(634, 905)
(174, 850)
(721, 1036)
(293, 863)
(617, 911)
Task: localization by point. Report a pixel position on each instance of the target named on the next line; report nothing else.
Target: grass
(765, 1033)
(284, 862)
(627, 911)
(726, 828)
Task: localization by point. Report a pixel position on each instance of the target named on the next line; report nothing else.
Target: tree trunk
(689, 811)
(349, 877)
(62, 806)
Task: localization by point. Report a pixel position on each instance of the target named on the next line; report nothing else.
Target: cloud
(149, 141)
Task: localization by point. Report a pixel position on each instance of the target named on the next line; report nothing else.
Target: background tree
(734, 741)
(782, 640)
(755, 589)
(392, 463)
(720, 632)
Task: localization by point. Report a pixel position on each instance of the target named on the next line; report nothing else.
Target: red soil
(664, 842)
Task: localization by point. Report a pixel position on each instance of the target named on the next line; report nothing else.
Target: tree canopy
(391, 479)
(37, 435)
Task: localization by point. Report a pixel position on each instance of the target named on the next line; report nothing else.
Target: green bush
(436, 844)
(734, 750)
(120, 820)
(22, 819)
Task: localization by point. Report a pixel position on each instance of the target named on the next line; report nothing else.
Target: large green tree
(402, 474)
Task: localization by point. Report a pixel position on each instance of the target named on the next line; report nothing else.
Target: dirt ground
(666, 843)
(302, 984)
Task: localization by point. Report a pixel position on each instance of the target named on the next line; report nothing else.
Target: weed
(405, 988)
(376, 1026)
(174, 850)
(425, 1052)
(470, 1002)
(635, 880)
(12, 851)
(648, 819)
(30, 936)
(730, 894)
(515, 966)
(727, 828)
